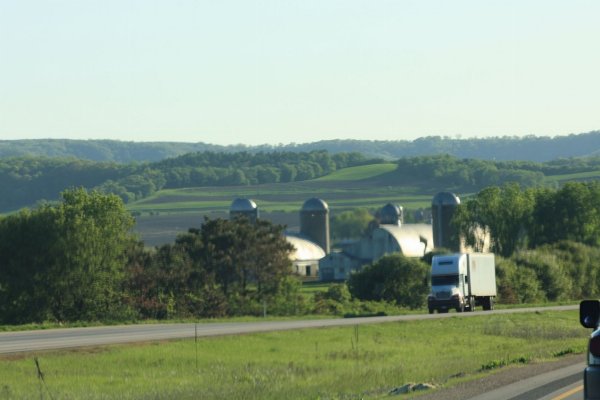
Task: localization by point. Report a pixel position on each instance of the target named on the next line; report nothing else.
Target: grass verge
(365, 361)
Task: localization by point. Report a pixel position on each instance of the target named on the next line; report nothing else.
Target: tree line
(526, 218)
(28, 180)
(546, 243)
(533, 148)
(562, 271)
(446, 172)
(547, 238)
(78, 260)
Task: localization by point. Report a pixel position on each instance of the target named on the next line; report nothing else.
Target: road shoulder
(504, 376)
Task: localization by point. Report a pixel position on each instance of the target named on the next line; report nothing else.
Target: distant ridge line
(506, 148)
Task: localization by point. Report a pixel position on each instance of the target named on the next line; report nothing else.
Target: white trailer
(463, 282)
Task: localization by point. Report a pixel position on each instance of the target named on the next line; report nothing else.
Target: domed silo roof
(390, 210)
(445, 199)
(315, 204)
(242, 205)
(390, 214)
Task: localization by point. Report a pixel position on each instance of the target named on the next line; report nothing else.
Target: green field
(359, 173)
(343, 189)
(365, 361)
(581, 176)
(168, 212)
(362, 186)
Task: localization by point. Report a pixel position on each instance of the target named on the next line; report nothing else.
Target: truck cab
(448, 278)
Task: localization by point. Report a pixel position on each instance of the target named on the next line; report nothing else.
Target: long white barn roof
(411, 238)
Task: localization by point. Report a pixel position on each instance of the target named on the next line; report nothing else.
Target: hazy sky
(284, 71)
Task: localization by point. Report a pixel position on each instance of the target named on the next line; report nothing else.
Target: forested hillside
(506, 148)
(446, 172)
(103, 150)
(27, 180)
(530, 148)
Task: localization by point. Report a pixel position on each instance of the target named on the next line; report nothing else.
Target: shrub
(548, 269)
(336, 300)
(394, 278)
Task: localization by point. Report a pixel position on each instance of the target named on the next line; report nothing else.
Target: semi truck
(462, 281)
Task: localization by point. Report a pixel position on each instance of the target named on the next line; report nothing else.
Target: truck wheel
(461, 308)
(431, 311)
(488, 304)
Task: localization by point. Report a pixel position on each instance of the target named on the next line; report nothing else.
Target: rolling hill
(167, 213)
(530, 148)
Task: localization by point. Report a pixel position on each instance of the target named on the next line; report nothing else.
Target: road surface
(561, 384)
(25, 341)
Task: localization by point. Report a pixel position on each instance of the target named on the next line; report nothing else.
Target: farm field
(366, 361)
(168, 212)
(346, 187)
(163, 215)
(359, 173)
(581, 176)
(162, 228)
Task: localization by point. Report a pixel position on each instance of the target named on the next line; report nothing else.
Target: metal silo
(314, 222)
(443, 207)
(243, 207)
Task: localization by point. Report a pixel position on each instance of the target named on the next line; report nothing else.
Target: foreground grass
(365, 361)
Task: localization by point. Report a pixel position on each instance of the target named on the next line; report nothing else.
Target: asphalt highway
(26, 341)
(561, 384)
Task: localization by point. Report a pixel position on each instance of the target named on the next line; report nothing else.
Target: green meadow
(343, 189)
(366, 361)
(363, 186)
(169, 211)
(581, 176)
(359, 173)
